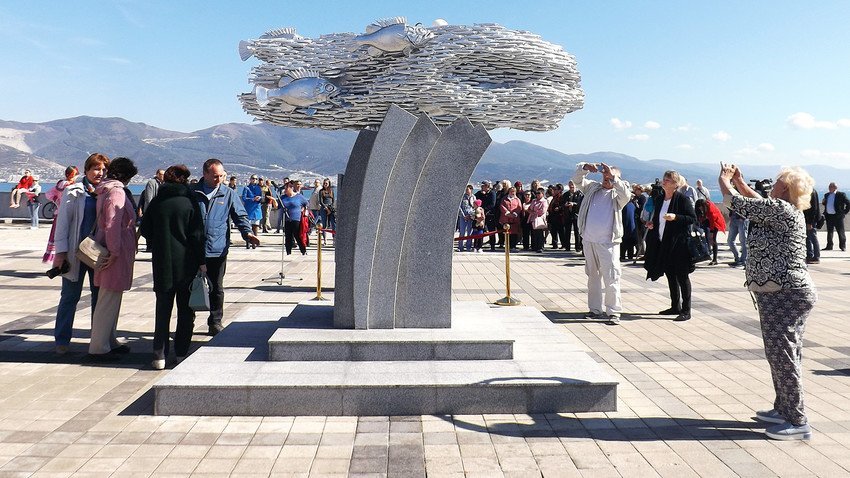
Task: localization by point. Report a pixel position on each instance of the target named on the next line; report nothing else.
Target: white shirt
(599, 225)
(661, 221)
(830, 203)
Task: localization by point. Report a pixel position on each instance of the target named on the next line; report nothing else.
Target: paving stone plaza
(686, 397)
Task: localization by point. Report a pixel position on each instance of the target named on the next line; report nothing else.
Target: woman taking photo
(667, 246)
(174, 228)
(778, 278)
(116, 230)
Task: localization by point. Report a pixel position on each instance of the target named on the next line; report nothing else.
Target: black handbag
(697, 246)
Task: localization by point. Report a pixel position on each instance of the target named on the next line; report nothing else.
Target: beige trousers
(104, 322)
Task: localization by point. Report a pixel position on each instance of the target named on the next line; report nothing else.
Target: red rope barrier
(477, 236)
(326, 230)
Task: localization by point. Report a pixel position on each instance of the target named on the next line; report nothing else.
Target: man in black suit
(835, 207)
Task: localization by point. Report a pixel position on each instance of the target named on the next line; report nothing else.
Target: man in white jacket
(600, 222)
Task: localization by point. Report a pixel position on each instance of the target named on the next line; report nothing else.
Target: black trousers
(185, 320)
(835, 222)
(680, 290)
(526, 235)
(216, 267)
(490, 222)
(537, 240)
(571, 223)
(292, 232)
(557, 231)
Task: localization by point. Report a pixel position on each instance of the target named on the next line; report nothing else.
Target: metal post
(507, 300)
(319, 260)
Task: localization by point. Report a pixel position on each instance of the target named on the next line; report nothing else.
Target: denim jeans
(68, 299)
(738, 228)
(465, 230)
(33, 207)
(812, 244)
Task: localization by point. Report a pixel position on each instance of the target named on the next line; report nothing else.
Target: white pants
(104, 321)
(602, 266)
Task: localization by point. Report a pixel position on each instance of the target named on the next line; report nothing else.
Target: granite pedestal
(417, 372)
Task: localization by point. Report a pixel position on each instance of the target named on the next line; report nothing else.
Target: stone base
(232, 375)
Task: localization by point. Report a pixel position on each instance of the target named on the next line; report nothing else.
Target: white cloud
(721, 136)
(687, 127)
(756, 150)
(806, 121)
(639, 137)
(651, 125)
(616, 123)
(811, 154)
(684, 146)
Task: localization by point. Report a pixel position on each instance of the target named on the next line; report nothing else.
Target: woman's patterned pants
(783, 320)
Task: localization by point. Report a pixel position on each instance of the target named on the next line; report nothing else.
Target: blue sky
(746, 82)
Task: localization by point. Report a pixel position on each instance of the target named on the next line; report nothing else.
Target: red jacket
(25, 183)
(715, 218)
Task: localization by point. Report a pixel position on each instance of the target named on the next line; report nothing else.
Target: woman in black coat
(667, 247)
(174, 228)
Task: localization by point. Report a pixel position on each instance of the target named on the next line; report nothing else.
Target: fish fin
(286, 107)
(407, 50)
(245, 49)
(372, 28)
(262, 94)
(374, 51)
(287, 32)
(302, 73)
(284, 80)
(387, 22)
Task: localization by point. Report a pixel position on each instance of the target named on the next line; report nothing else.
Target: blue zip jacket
(217, 214)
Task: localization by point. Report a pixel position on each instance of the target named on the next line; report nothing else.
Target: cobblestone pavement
(687, 395)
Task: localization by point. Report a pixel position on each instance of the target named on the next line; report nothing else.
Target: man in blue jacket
(219, 205)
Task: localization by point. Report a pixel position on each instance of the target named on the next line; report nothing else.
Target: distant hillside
(275, 152)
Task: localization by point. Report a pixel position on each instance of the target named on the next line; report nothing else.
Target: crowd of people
(615, 221)
(186, 225)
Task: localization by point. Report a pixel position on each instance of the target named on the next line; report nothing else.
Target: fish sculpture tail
(246, 50)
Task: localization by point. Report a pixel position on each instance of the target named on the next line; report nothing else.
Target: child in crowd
(478, 226)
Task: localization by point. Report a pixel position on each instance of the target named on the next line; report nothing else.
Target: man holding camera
(600, 222)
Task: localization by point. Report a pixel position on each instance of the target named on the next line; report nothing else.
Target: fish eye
(329, 87)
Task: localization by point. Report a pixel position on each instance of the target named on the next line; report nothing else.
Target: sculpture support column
(397, 225)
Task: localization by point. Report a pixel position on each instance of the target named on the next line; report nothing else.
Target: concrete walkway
(687, 395)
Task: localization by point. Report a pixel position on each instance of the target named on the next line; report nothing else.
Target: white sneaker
(158, 364)
(770, 416)
(787, 431)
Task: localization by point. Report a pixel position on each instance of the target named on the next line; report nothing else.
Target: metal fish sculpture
(493, 76)
(391, 35)
(300, 89)
(246, 49)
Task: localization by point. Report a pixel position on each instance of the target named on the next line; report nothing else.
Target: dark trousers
(571, 223)
(292, 232)
(185, 320)
(526, 235)
(680, 290)
(835, 222)
(68, 299)
(556, 229)
(490, 222)
(537, 240)
(216, 267)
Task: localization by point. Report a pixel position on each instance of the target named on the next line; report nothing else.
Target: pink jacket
(116, 229)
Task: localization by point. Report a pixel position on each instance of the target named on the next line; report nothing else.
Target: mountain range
(276, 152)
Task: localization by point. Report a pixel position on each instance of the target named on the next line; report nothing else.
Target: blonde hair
(674, 175)
(800, 185)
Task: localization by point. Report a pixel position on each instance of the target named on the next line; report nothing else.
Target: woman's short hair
(178, 173)
(674, 175)
(121, 169)
(800, 185)
(95, 160)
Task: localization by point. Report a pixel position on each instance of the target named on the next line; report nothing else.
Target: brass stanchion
(507, 300)
(319, 266)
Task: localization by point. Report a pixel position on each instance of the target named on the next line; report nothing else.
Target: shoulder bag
(697, 246)
(90, 252)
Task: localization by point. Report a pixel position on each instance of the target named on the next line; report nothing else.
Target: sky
(742, 82)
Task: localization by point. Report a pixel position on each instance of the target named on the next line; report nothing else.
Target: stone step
(231, 375)
(469, 338)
